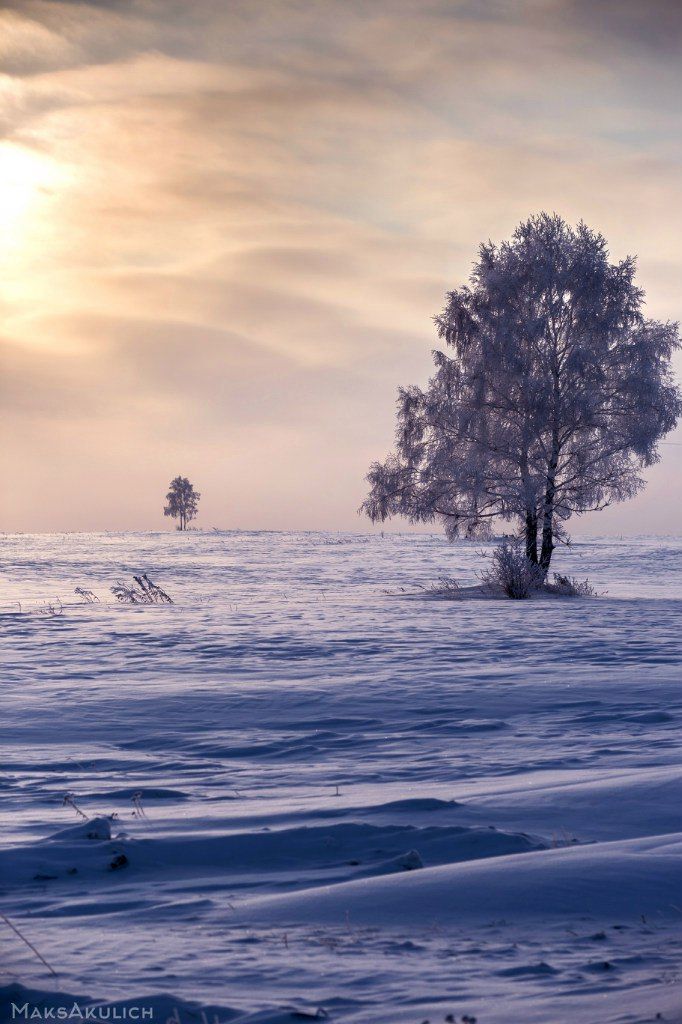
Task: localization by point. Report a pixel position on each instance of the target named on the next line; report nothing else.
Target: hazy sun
(27, 180)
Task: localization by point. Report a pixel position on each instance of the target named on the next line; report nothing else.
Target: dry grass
(142, 591)
(569, 586)
(29, 944)
(445, 586)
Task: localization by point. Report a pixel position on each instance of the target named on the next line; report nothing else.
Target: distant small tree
(554, 399)
(182, 501)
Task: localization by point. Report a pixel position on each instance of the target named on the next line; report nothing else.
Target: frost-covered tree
(182, 501)
(552, 402)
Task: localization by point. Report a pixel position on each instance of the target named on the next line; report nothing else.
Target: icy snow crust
(334, 799)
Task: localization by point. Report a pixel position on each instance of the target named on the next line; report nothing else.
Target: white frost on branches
(552, 401)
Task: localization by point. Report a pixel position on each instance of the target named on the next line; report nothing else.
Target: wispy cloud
(228, 225)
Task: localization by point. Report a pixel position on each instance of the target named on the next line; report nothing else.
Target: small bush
(569, 586)
(512, 572)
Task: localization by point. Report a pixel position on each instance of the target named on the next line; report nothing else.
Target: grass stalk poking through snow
(143, 591)
(29, 944)
(70, 802)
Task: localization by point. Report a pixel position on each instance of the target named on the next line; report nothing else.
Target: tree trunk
(531, 524)
(548, 508)
(547, 542)
(532, 537)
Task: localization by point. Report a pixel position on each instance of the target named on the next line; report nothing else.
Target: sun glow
(27, 181)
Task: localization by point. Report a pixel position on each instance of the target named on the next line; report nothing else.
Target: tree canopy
(553, 400)
(182, 501)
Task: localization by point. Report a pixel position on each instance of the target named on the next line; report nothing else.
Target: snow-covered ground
(335, 800)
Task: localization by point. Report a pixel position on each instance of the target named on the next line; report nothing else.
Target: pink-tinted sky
(226, 225)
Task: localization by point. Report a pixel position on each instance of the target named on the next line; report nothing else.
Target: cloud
(655, 26)
(229, 225)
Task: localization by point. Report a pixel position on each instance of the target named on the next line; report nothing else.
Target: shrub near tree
(182, 501)
(551, 403)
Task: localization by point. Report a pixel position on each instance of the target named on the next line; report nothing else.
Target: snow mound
(84, 848)
(609, 881)
(159, 1007)
(409, 861)
(93, 830)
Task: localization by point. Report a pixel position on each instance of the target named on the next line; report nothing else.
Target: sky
(225, 226)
